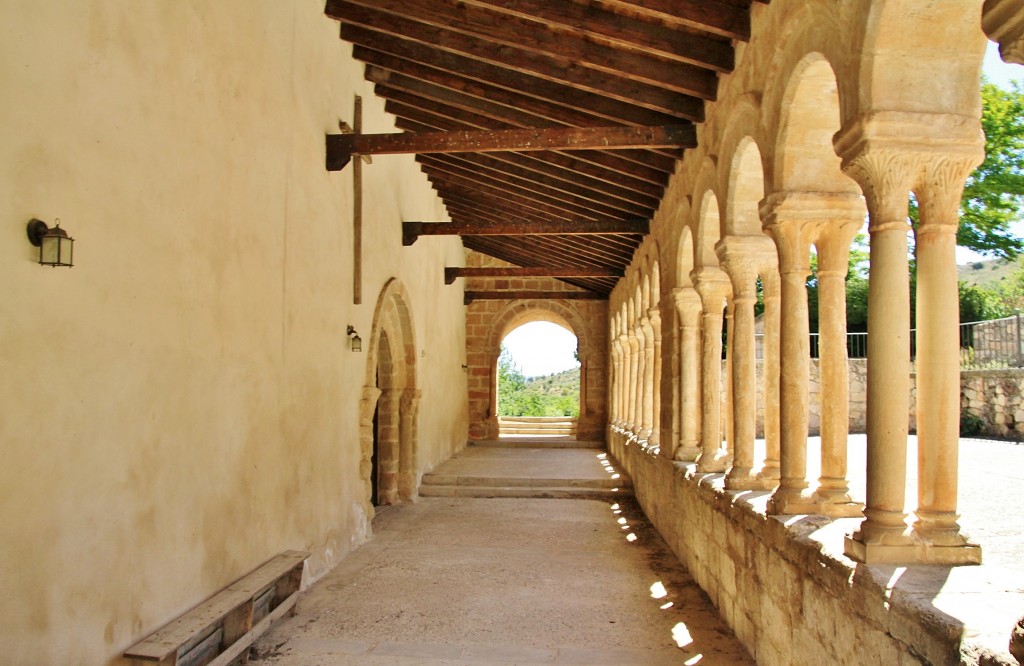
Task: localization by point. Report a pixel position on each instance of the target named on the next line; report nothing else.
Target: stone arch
(745, 191)
(564, 314)
(685, 261)
(708, 226)
(928, 62)
(809, 117)
(390, 391)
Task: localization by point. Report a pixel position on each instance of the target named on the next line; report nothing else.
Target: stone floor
(460, 580)
(450, 581)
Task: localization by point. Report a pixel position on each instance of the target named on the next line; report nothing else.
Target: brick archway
(390, 390)
(486, 343)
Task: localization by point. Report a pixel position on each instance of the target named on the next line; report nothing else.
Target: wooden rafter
(341, 147)
(413, 230)
(471, 296)
(463, 77)
(451, 274)
(449, 23)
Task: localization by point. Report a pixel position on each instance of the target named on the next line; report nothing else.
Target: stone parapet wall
(782, 584)
(992, 402)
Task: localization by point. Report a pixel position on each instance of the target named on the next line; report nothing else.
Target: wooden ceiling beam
(472, 188)
(413, 230)
(451, 274)
(529, 252)
(400, 72)
(341, 147)
(533, 178)
(521, 295)
(464, 27)
(620, 30)
(620, 109)
(601, 165)
(528, 189)
(452, 104)
(718, 18)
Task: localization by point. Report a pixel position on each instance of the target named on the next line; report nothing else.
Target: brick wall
(488, 322)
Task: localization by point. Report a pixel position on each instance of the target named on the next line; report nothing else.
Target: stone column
(633, 420)
(833, 264)
(408, 435)
(713, 286)
(639, 388)
(688, 305)
(770, 282)
(647, 385)
(727, 382)
(654, 315)
(614, 381)
(742, 256)
(792, 219)
(938, 367)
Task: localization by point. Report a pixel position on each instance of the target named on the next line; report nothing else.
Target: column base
(687, 453)
(837, 504)
(713, 464)
(914, 551)
(789, 501)
(749, 482)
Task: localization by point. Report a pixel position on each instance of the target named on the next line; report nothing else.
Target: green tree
(993, 197)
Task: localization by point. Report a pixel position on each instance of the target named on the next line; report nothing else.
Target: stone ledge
(940, 614)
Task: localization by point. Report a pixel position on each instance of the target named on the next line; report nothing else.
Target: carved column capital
(744, 258)
(889, 153)
(940, 192)
(796, 219)
(687, 301)
(713, 286)
(1003, 22)
(654, 316)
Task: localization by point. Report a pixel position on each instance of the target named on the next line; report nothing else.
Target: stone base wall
(992, 402)
(858, 396)
(790, 599)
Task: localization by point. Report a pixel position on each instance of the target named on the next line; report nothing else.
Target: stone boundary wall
(991, 401)
(778, 587)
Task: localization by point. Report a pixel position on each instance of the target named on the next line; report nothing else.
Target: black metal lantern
(55, 246)
(355, 340)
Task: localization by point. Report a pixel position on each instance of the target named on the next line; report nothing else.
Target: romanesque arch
(388, 412)
(592, 355)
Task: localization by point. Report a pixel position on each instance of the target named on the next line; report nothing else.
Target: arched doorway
(538, 380)
(388, 421)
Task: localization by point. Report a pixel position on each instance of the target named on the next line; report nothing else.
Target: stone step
(536, 443)
(522, 482)
(506, 432)
(525, 491)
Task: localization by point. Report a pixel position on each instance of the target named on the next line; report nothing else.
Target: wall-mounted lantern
(355, 341)
(55, 246)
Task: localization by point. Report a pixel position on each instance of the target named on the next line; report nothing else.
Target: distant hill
(988, 272)
(566, 382)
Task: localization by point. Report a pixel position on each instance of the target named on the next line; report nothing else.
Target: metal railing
(984, 345)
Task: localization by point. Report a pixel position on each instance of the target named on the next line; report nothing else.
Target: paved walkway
(452, 581)
(461, 580)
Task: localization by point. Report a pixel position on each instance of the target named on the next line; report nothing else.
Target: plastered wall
(182, 404)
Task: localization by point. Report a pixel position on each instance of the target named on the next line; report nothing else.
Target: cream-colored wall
(181, 404)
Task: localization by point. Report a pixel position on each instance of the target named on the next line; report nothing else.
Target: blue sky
(542, 348)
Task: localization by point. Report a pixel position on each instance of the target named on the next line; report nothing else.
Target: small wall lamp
(355, 341)
(55, 246)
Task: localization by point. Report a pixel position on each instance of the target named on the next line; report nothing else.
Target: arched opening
(538, 380)
(390, 404)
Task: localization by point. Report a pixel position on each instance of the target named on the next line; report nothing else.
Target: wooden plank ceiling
(497, 65)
